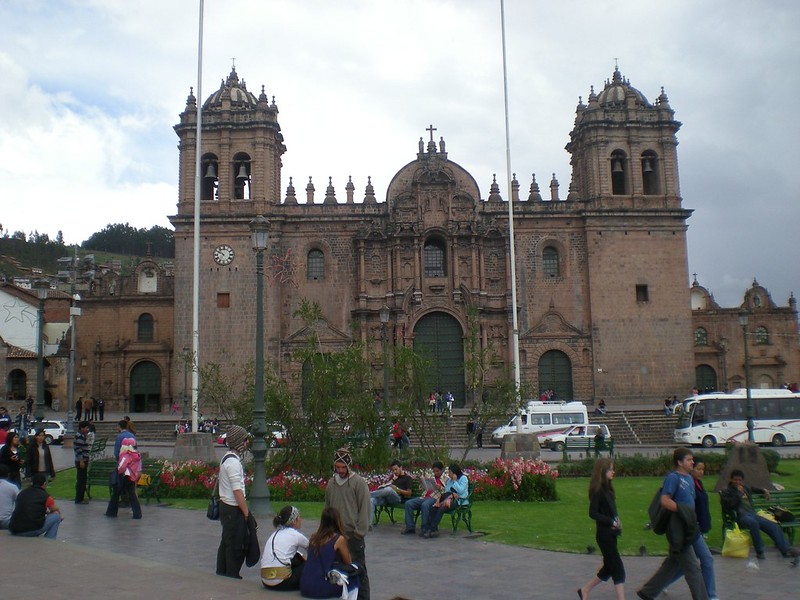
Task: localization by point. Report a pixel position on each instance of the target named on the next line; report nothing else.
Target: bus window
(540, 419)
(567, 418)
(699, 416)
(790, 408)
(767, 408)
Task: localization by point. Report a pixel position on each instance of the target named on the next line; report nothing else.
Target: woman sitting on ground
(326, 547)
(285, 552)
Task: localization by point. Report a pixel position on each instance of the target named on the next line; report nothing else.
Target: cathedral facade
(603, 304)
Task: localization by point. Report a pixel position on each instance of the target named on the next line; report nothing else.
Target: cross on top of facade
(431, 129)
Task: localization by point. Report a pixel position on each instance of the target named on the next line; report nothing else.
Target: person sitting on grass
(738, 498)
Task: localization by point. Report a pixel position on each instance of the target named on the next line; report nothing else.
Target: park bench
(148, 486)
(389, 509)
(788, 499)
(460, 513)
(98, 449)
(589, 446)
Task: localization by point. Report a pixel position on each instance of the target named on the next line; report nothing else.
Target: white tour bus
(543, 418)
(712, 419)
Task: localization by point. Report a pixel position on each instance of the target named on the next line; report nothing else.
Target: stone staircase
(646, 427)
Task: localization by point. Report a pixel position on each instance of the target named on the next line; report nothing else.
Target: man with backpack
(677, 499)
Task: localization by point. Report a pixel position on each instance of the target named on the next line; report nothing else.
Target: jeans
(424, 505)
(124, 484)
(684, 561)
(80, 480)
(358, 554)
(383, 496)
(49, 529)
(706, 566)
(755, 525)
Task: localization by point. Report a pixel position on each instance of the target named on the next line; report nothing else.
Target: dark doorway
(439, 337)
(555, 373)
(145, 387)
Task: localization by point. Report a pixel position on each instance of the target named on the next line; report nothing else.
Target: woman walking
(603, 509)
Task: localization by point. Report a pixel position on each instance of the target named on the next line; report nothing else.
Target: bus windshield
(685, 418)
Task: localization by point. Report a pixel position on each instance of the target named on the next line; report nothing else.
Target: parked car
(54, 431)
(276, 437)
(576, 432)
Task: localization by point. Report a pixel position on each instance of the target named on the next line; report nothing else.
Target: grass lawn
(563, 525)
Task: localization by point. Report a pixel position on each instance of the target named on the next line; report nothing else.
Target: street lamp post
(185, 413)
(74, 311)
(743, 318)
(260, 505)
(42, 287)
(384, 315)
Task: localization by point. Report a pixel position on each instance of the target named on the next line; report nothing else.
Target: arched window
(434, 258)
(650, 176)
(762, 335)
(144, 328)
(315, 266)
(550, 262)
(619, 172)
(241, 177)
(210, 172)
(700, 337)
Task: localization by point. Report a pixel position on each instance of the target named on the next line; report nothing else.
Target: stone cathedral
(602, 278)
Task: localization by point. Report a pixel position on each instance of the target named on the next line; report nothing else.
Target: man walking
(233, 511)
(35, 512)
(348, 492)
(82, 450)
(677, 497)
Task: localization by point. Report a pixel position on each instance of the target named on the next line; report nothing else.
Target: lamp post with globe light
(743, 318)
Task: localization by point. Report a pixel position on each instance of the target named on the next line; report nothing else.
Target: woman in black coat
(38, 459)
(603, 509)
(10, 455)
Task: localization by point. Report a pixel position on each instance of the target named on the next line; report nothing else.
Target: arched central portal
(555, 373)
(439, 337)
(145, 387)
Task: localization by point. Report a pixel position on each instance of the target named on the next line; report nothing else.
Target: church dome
(616, 91)
(232, 90)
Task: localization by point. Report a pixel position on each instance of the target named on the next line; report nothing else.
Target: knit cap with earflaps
(237, 438)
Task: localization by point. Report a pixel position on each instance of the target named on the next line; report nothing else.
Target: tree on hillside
(124, 239)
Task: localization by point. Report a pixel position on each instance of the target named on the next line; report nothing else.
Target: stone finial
(190, 99)
(310, 192)
(349, 189)
(262, 97)
(534, 195)
(494, 190)
(291, 197)
(369, 192)
(330, 193)
(514, 188)
(554, 188)
(572, 194)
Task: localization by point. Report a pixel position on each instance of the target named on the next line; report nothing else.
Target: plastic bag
(737, 543)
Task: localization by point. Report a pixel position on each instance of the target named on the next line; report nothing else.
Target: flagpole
(197, 197)
(511, 243)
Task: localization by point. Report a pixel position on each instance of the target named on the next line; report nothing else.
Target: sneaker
(407, 531)
(433, 534)
(426, 534)
(642, 596)
(760, 555)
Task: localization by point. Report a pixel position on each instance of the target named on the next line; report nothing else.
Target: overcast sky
(91, 90)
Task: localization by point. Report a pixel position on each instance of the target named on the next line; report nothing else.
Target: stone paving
(170, 553)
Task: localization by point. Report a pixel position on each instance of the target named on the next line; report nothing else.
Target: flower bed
(518, 479)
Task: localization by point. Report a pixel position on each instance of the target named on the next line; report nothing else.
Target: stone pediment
(325, 333)
(552, 324)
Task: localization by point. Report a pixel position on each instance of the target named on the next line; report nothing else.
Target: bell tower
(240, 178)
(624, 148)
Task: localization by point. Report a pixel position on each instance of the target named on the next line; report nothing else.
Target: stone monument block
(194, 446)
(520, 445)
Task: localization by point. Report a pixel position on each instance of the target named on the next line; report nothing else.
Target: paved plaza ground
(170, 553)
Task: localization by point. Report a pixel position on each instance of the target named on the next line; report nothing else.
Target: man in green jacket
(348, 492)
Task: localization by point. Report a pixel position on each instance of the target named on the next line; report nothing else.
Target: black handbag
(781, 514)
(212, 512)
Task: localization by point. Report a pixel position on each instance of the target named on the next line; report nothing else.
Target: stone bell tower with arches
(240, 178)
(625, 172)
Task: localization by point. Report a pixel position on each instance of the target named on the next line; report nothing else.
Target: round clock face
(223, 254)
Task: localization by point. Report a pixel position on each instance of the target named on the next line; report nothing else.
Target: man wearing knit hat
(349, 494)
(233, 511)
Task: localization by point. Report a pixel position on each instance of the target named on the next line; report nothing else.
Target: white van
(544, 418)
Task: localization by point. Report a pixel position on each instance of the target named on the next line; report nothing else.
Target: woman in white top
(285, 552)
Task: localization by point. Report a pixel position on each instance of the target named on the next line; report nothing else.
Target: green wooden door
(439, 337)
(555, 373)
(145, 387)
(706, 378)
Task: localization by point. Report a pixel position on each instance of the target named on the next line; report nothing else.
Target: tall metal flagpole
(511, 244)
(197, 196)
